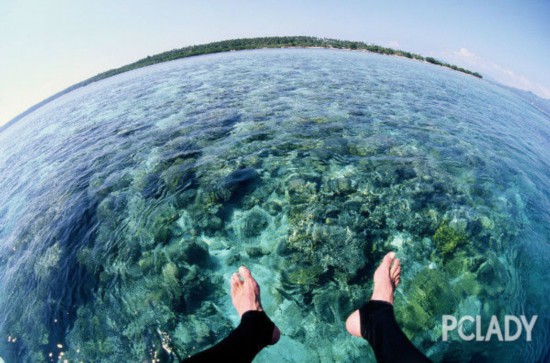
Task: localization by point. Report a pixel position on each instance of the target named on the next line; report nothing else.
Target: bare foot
(245, 294)
(386, 279)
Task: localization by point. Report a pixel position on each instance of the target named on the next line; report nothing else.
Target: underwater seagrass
(128, 204)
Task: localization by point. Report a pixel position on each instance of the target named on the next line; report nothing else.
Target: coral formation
(448, 240)
(305, 174)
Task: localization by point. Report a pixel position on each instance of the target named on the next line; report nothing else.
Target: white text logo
(470, 328)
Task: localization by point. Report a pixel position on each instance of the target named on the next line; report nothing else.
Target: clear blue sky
(46, 46)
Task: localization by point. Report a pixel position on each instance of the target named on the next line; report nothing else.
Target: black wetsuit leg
(390, 344)
(241, 345)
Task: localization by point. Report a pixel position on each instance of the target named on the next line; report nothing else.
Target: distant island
(243, 44)
(269, 42)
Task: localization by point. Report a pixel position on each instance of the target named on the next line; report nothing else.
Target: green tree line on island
(268, 42)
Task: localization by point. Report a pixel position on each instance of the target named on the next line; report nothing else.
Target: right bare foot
(386, 279)
(245, 295)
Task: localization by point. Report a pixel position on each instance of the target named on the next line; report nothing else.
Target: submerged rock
(255, 252)
(195, 252)
(150, 186)
(47, 262)
(405, 174)
(240, 179)
(180, 177)
(448, 240)
(430, 295)
(305, 276)
(251, 223)
(231, 190)
(302, 189)
(339, 186)
(333, 305)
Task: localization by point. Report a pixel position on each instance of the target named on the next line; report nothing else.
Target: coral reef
(307, 170)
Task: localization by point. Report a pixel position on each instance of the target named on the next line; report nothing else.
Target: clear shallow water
(127, 205)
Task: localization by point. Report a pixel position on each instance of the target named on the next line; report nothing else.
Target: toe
(245, 273)
(235, 283)
(398, 271)
(396, 263)
(236, 279)
(395, 277)
(248, 279)
(395, 269)
(387, 260)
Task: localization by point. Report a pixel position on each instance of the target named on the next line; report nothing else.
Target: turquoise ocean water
(127, 205)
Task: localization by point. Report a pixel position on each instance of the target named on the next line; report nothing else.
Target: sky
(47, 46)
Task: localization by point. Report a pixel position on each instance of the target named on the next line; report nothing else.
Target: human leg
(375, 321)
(254, 332)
